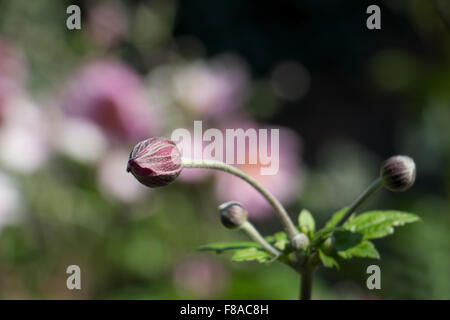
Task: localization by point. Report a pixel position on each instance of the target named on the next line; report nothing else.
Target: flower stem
(374, 187)
(256, 236)
(291, 230)
(306, 285)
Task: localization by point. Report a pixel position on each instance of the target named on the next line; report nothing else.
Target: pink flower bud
(232, 214)
(398, 173)
(155, 162)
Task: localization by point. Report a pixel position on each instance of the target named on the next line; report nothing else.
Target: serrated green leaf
(281, 244)
(344, 240)
(279, 240)
(378, 224)
(220, 247)
(323, 234)
(336, 217)
(306, 222)
(328, 261)
(276, 237)
(252, 254)
(364, 249)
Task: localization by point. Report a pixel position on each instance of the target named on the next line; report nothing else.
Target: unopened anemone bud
(328, 246)
(398, 173)
(300, 242)
(232, 214)
(155, 162)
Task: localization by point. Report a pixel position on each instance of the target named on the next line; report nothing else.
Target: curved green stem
(256, 236)
(291, 230)
(374, 187)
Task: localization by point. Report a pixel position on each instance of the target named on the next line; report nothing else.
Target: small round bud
(300, 242)
(328, 246)
(155, 162)
(232, 214)
(398, 173)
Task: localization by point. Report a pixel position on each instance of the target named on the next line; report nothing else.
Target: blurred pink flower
(12, 72)
(24, 143)
(110, 94)
(114, 181)
(79, 139)
(200, 276)
(9, 200)
(22, 123)
(210, 89)
(285, 184)
(107, 24)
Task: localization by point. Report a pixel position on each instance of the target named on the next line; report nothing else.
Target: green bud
(328, 246)
(300, 242)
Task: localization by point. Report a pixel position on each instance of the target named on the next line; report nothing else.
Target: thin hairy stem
(256, 236)
(374, 187)
(291, 230)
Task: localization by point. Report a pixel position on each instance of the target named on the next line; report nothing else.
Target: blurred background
(73, 103)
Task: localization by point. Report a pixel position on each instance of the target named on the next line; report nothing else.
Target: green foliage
(353, 241)
(346, 240)
(378, 224)
(364, 249)
(250, 251)
(327, 260)
(335, 218)
(252, 254)
(320, 236)
(349, 241)
(306, 222)
(220, 247)
(279, 240)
